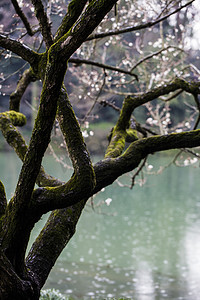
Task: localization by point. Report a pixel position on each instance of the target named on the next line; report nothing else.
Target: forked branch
(106, 171)
(117, 142)
(75, 8)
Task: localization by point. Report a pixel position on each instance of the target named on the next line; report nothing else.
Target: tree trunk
(14, 288)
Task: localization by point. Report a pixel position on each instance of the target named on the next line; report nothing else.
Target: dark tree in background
(110, 48)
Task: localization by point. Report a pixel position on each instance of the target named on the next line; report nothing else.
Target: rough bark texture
(27, 206)
(22, 277)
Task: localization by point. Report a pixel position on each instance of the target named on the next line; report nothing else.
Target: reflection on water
(144, 246)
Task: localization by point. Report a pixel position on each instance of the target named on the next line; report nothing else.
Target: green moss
(131, 135)
(117, 143)
(72, 7)
(16, 118)
(10, 132)
(40, 68)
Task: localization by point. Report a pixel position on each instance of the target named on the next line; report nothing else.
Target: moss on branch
(131, 135)
(131, 103)
(118, 136)
(55, 235)
(10, 132)
(106, 171)
(89, 20)
(117, 143)
(72, 192)
(17, 142)
(83, 180)
(75, 8)
(16, 118)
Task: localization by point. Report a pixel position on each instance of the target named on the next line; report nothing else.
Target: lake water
(144, 246)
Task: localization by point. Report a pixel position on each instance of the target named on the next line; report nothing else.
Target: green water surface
(145, 245)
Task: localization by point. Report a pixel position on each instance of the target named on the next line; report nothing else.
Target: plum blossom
(108, 201)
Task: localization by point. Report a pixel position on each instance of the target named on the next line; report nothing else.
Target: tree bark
(12, 287)
(22, 279)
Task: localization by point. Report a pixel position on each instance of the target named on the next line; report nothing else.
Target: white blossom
(108, 201)
(149, 167)
(85, 133)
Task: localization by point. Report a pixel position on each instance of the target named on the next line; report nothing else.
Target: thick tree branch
(118, 166)
(138, 150)
(57, 232)
(92, 16)
(43, 21)
(83, 179)
(198, 107)
(139, 27)
(23, 17)
(17, 142)
(15, 98)
(19, 206)
(75, 8)
(18, 48)
(3, 201)
(100, 65)
(132, 103)
(10, 132)
(63, 222)
(7, 274)
(117, 142)
(73, 138)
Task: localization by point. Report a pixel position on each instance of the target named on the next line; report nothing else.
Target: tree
(21, 276)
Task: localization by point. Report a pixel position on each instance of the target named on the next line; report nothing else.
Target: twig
(96, 99)
(79, 61)
(192, 152)
(106, 103)
(151, 55)
(139, 27)
(138, 171)
(174, 95)
(23, 17)
(58, 159)
(167, 5)
(14, 73)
